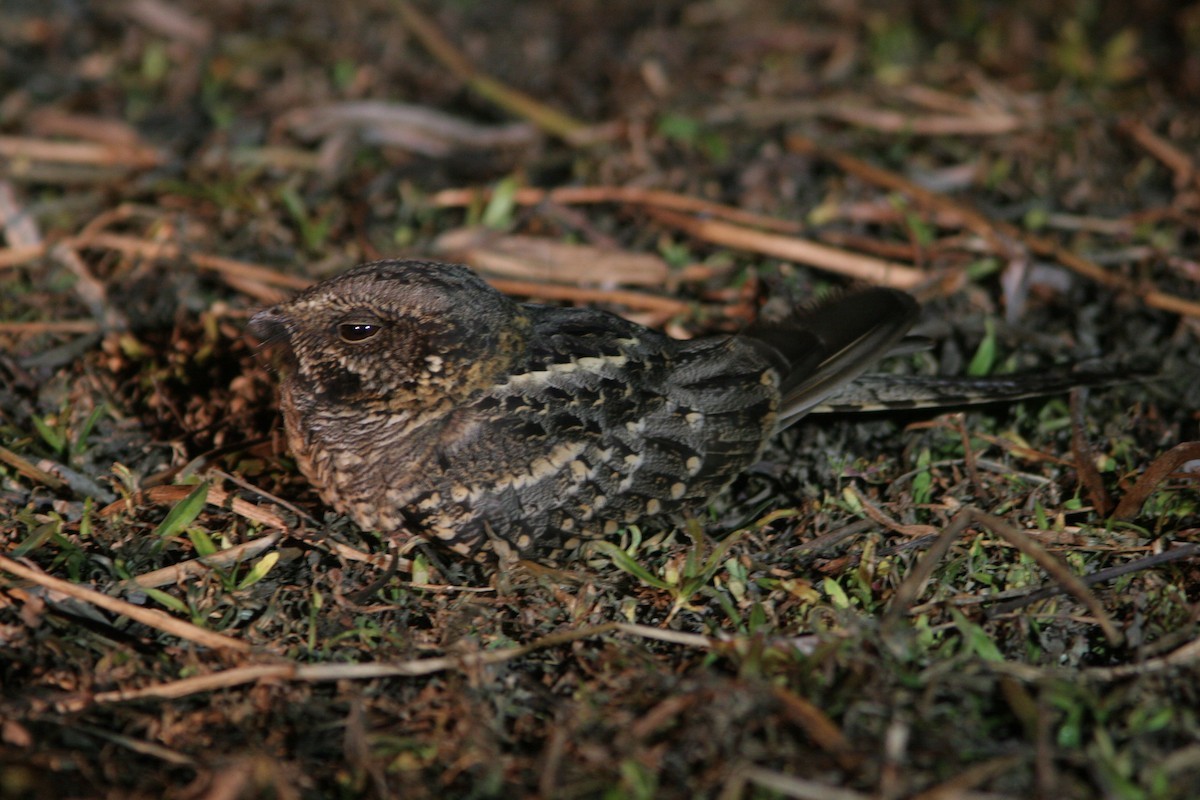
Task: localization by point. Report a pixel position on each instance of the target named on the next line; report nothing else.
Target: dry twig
(103, 154)
(1156, 473)
(1171, 156)
(915, 582)
(515, 102)
(631, 195)
(792, 248)
(1005, 237)
(147, 616)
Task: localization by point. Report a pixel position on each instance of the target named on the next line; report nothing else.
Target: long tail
(871, 393)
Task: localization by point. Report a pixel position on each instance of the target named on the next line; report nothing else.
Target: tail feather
(871, 393)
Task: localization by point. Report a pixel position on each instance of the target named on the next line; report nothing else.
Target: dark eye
(358, 331)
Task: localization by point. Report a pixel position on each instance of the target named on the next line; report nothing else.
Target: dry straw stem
(1184, 656)
(954, 115)
(254, 280)
(314, 673)
(629, 195)
(1158, 471)
(1171, 156)
(1176, 553)
(216, 497)
(226, 267)
(548, 260)
(1006, 238)
(817, 724)
(876, 514)
(630, 299)
(262, 514)
(792, 248)
(31, 471)
(720, 224)
(16, 256)
(882, 119)
(168, 576)
(792, 786)
(103, 154)
(52, 326)
(515, 102)
(147, 616)
(961, 784)
(261, 275)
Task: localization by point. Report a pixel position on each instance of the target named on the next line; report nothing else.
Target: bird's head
(395, 333)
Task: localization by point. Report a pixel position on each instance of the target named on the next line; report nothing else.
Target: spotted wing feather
(604, 423)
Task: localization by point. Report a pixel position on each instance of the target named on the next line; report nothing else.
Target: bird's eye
(358, 331)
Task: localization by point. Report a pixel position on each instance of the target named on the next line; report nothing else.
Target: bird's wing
(827, 347)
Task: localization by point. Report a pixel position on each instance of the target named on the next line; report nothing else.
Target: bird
(418, 399)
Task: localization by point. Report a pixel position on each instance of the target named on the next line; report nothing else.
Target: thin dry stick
(817, 724)
(1177, 553)
(960, 426)
(244, 270)
(1171, 156)
(632, 195)
(664, 713)
(979, 124)
(137, 745)
(1156, 473)
(515, 102)
(216, 497)
(201, 683)
(875, 513)
(1002, 235)
(799, 788)
(58, 326)
(231, 269)
(262, 514)
(962, 783)
(1082, 453)
(1057, 570)
(147, 616)
(1185, 655)
(908, 591)
(31, 471)
(859, 267)
(16, 256)
(198, 566)
(131, 245)
(99, 154)
(405, 669)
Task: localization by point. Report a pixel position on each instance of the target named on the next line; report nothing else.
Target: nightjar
(417, 398)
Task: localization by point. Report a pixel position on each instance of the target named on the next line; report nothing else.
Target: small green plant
(502, 205)
(683, 581)
(692, 134)
(314, 228)
(183, 514)
(66, 441)
(985, 355)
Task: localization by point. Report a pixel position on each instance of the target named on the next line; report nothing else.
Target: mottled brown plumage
(417, 398)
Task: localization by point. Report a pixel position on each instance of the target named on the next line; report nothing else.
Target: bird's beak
(269, 326)
(273, 329)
